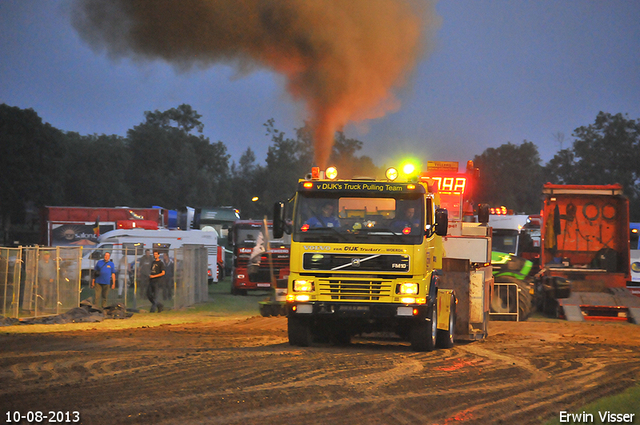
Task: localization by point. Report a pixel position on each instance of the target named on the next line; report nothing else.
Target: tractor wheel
(423, 333)
(445, 338)
(265, 310)
(299, 331)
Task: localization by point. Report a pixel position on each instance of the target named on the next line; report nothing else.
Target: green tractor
(513, 289)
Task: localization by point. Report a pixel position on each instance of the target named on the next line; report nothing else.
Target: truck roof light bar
(391, 174)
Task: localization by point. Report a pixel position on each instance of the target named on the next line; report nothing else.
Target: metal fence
(505, 303)
(41, 281)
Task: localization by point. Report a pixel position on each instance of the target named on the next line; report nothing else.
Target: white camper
(136, 241)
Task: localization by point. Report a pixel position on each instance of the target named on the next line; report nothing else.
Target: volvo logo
(355, 262)
(317, 248)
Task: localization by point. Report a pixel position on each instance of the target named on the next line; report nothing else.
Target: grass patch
(221, 306)
(625, 402)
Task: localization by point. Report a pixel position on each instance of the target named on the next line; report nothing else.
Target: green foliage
(31, 154)
(510, 175)
(172, 167)
(166, 161)
(349, 165)
(605, 152)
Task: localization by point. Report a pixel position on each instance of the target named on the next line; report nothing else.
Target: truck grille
(280, 261)
(355, 290)
(356, 262)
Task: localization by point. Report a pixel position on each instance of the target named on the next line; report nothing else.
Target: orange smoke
(343, 58)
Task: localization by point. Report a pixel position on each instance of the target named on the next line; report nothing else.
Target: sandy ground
(243, 371)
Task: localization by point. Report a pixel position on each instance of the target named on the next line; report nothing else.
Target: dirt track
(245, 372)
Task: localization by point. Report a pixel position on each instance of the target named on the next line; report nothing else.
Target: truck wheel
(299, 332)
(423, 333)
(445, 338)
(265, 310)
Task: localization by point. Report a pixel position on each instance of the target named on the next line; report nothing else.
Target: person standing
(123, 273)
(143, 271)
(156, 277)
(46, 280)
(104, 273)
(167, 286)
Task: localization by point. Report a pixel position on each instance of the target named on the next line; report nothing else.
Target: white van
(136, 241)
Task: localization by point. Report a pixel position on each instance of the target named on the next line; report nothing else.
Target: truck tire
(444, 339)
(524, 299)
(299, 331)
(424, 332)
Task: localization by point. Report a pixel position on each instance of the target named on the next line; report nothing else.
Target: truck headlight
(408, 288)
(302, 285)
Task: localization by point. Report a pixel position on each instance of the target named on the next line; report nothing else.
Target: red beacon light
(499, 211)
(304, 227)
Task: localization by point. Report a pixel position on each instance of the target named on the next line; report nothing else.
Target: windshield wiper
(382, 231)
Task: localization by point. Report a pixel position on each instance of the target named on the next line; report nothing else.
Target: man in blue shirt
(105, 273)
(327, 219)
(408, 223)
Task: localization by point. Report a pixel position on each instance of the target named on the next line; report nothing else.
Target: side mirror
(278, 220)
(483, 213)
(442, 222)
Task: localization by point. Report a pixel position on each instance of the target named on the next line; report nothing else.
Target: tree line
(167, 161)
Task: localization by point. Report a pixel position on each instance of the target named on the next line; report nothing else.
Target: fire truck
(585, 254)
(368, 256)
(258, 258)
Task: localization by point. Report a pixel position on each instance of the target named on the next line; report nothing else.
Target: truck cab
(365, 257)
(258, 257)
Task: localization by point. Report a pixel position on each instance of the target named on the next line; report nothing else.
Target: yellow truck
(367, 256)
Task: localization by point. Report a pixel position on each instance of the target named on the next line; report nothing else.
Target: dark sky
(499, 71)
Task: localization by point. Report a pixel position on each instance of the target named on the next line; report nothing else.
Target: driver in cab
(407, 223)
(327, 217)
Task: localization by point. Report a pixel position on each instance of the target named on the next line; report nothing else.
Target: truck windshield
(331, 217)
(247, 236)
(505, 240)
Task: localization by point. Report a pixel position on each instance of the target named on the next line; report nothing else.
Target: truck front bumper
(369, 311)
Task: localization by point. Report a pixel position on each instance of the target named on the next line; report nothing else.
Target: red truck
(585, 254)
(258, 260)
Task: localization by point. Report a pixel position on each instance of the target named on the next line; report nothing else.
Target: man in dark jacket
(155, 281)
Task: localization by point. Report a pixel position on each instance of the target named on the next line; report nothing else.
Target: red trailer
(585, 247)
(62, 226)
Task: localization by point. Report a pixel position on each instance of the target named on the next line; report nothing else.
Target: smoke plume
(345, 59)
